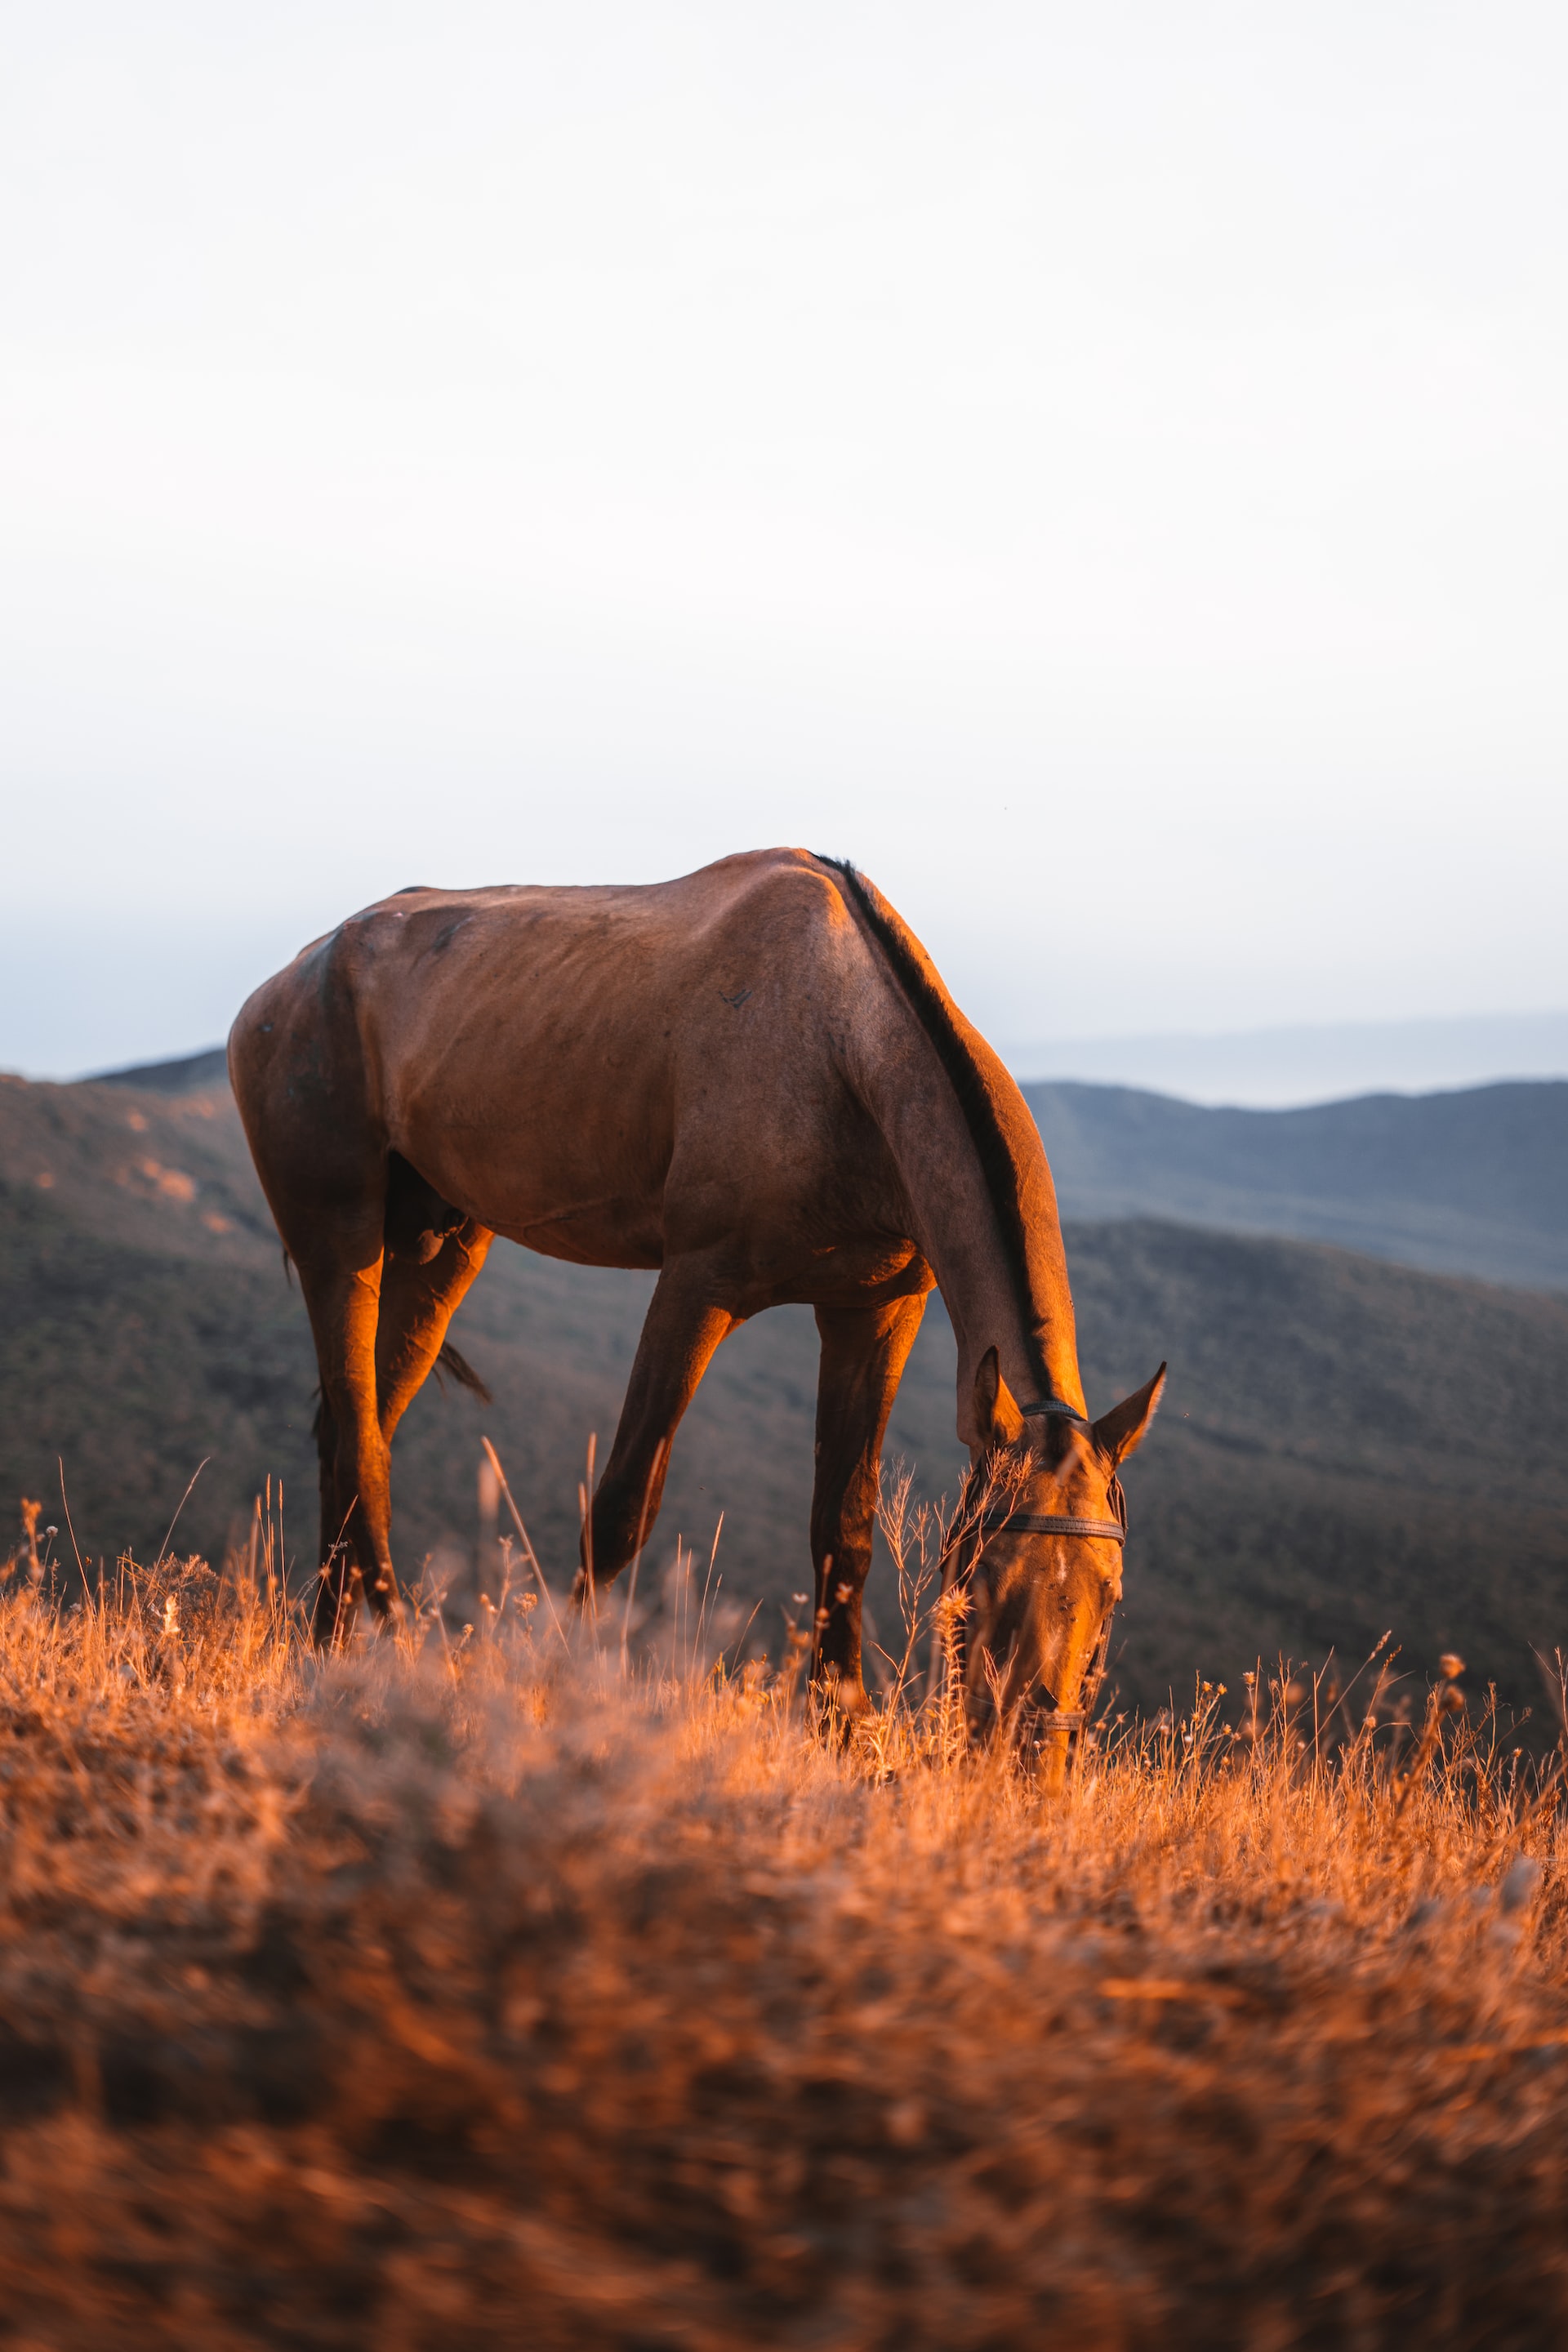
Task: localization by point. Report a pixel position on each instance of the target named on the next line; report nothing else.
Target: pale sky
(1102, 468)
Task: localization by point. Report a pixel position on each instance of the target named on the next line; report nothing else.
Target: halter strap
(1048, 1405)
(1045, 1523)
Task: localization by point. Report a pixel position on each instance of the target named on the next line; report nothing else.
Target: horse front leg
(685, 1323)
(864, 1351)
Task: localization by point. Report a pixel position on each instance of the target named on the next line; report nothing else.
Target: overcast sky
(1102, 468)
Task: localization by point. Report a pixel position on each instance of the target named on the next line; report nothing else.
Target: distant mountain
(1466, 1184)
(1347, 1445)
(1279, 1068)
(191, 1074)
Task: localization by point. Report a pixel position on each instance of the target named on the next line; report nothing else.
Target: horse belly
(542, 1144)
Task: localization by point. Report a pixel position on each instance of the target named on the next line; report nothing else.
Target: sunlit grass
(490, 1986)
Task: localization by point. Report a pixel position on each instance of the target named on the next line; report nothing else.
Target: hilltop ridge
(1475, 1181)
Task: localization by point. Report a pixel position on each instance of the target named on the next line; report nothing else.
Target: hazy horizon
(1102, 473)
(1295, 1066)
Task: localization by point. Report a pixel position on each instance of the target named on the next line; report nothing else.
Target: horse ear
(995, 1412)
(1121, 1430)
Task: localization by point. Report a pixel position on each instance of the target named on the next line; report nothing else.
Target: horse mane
(932, 1007)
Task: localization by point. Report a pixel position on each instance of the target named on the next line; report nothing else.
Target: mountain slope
(1473, 1182)
(1346, 1445)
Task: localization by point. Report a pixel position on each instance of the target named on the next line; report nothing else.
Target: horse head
(1040, 1544)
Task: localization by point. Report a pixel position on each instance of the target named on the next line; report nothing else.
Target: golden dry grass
(485, 1995)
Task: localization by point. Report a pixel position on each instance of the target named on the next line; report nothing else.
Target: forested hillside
(1475, 1181)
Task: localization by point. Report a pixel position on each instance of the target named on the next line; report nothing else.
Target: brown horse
(753, 1080)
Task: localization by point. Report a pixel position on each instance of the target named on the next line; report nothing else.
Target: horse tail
(462, 1371)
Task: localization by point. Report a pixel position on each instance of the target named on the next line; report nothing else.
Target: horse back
(604, 1073)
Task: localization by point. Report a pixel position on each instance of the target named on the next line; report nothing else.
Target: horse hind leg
(340, 1275)
(302, 1088)
(380, 1326)
(864, 1351)
(419, 1295)
(415, 1303)
(339, 1589)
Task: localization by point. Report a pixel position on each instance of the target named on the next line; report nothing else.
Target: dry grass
(443, 1997)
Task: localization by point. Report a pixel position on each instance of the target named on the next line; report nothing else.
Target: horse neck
(1010, 1293)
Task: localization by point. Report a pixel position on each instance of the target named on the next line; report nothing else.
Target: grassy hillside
(1474, 1181)
(1347, 1445)
(438, 1998)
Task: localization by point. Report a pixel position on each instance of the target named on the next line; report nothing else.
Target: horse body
(624, 1076)
(751, 1079)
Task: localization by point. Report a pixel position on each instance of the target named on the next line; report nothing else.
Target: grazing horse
(753, 1080)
